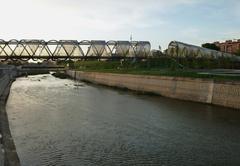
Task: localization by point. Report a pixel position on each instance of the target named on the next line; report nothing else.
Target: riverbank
(160, 67)
(8, 154)
(209, 91)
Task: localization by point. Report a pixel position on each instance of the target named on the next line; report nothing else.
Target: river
(68, 123)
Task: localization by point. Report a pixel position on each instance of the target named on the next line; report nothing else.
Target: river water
(63, 122)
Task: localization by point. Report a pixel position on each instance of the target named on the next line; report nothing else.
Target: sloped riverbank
(222, 93)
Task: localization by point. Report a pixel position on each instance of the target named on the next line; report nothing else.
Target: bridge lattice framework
(72, 49)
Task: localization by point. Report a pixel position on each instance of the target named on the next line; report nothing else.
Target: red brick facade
(229, 46)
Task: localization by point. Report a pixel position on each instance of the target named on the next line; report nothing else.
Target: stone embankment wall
(8, 154)
(225, 93)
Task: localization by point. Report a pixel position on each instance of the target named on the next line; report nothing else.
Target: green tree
(211, 46)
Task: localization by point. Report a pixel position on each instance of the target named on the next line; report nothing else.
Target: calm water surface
(62, 122)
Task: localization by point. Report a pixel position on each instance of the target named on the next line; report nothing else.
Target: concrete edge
(10, 155)
(211, 96)
(165, 77)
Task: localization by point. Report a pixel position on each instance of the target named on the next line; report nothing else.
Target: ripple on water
(62, 122)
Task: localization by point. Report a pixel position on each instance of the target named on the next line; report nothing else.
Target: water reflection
(62, 122)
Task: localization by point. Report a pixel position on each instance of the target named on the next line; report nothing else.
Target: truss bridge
(72, 49)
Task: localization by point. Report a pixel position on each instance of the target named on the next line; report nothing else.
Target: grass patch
(155, 67)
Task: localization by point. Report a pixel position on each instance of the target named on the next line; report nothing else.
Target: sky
(157, 21)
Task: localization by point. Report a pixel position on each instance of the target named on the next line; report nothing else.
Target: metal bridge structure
(72, 49)
(183, 50)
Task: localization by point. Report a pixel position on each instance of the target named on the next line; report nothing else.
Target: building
(229, 46)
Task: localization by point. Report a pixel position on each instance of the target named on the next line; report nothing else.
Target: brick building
(229, 46)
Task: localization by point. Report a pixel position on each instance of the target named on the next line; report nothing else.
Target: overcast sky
(158, 21)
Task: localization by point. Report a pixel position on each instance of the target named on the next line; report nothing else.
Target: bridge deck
(67, 57)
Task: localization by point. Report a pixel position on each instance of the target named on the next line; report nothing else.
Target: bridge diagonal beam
(70, 49)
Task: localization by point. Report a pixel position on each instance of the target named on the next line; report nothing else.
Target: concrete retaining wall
(199, 90)
(4, 81)
(9, 157)
(227, 94)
